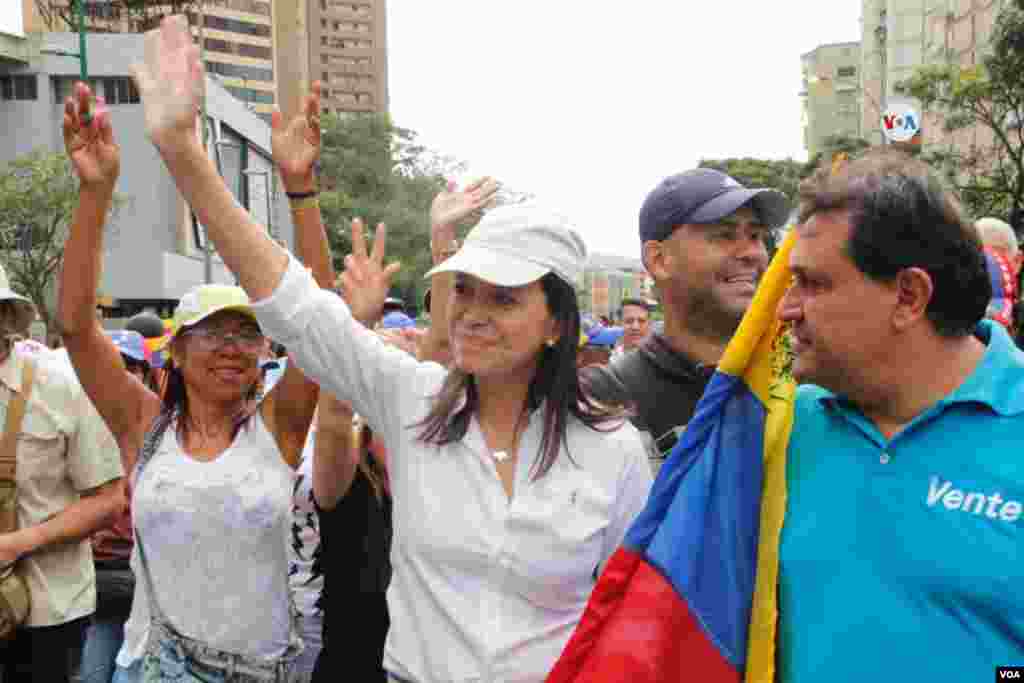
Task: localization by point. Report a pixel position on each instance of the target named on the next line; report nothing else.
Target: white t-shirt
(215, 535)
(482, 588)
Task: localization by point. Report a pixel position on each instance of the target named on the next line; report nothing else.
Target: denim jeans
(133, 674)
(115, 584)
(174, 658)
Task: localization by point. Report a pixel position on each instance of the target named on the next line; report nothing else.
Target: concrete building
(831, 93)
(608, 279)
(342, 43)
(237, 41)
(154, 249)
(898, 36)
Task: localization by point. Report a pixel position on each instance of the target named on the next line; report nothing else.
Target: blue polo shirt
(904, 559)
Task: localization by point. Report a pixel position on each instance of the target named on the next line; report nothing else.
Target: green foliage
(38, 194)
(372, 169)
(833, 145)
(782, 174)
(989, 173)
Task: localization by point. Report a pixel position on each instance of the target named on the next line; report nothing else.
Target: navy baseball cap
(704, 195)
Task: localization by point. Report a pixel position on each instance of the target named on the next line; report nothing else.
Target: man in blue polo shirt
(901, 553)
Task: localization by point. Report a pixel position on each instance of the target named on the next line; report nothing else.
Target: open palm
(94, 155)
(463, 207)
(296, 145)
(170, 81)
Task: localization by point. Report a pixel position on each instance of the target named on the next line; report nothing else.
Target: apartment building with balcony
(347, 52)
(831, 93)
(899, 36)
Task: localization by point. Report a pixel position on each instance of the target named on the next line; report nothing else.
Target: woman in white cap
(511, 488)
(213, 482)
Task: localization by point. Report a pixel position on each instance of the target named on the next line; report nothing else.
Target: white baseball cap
(516, 245)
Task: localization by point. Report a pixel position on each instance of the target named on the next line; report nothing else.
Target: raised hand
(296, 144)
(366, 280)
(453, 208)
(89, 140)
(170, 81)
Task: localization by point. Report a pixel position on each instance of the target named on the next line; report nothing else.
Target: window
(120, 91)
(63, 86)
(255, 51)
(247, 73)
(19, 88)
(250, 6)
(846, 71)
(235, 26)
(251, 96)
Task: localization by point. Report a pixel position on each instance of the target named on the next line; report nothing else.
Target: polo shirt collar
(996, 381)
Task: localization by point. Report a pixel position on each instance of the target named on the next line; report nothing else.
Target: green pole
(83, 61)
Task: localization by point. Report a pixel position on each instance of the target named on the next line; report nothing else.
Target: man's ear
(654, 259)
(914, 291)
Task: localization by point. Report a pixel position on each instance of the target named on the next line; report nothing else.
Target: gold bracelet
(305, 203)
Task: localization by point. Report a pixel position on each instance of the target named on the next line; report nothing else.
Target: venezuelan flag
(691, 595)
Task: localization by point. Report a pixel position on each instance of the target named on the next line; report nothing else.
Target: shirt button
(884, 458)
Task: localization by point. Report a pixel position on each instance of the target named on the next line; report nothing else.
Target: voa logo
(900, 123)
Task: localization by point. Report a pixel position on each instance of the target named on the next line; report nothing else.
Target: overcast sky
(589, 104)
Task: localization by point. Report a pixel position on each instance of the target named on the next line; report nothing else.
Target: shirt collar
(995, 382)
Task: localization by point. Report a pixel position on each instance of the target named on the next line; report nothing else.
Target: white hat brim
(490, 266)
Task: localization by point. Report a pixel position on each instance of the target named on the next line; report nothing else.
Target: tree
(831, 146)
(377, 171)
(38, 194)
(372, 169)
(988, 167)
(782, 174)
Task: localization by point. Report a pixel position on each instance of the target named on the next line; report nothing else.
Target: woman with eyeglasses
(213, 482)
(511, 486)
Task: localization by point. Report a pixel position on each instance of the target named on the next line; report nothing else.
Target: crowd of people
(360, 499)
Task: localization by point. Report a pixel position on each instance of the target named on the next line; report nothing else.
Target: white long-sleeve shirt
(483, 588)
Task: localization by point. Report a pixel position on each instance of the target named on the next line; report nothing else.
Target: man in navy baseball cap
(704, 238)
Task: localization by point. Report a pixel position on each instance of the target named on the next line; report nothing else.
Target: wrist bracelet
(307, 202)
(301, 195)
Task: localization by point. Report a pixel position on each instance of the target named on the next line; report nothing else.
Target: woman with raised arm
(511, 487)
(342, 498)
(213, 480)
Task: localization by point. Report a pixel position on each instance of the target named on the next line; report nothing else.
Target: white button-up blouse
(483, 588)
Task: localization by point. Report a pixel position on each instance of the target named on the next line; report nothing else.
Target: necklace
(499, 455)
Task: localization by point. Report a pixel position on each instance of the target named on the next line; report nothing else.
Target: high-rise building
(238, 48)
(343, 44)
(899, 36)
(831, 93)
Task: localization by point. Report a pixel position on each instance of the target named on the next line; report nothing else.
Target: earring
(551, 343)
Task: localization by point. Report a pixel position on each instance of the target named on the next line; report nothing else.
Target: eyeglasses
(211, 340)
